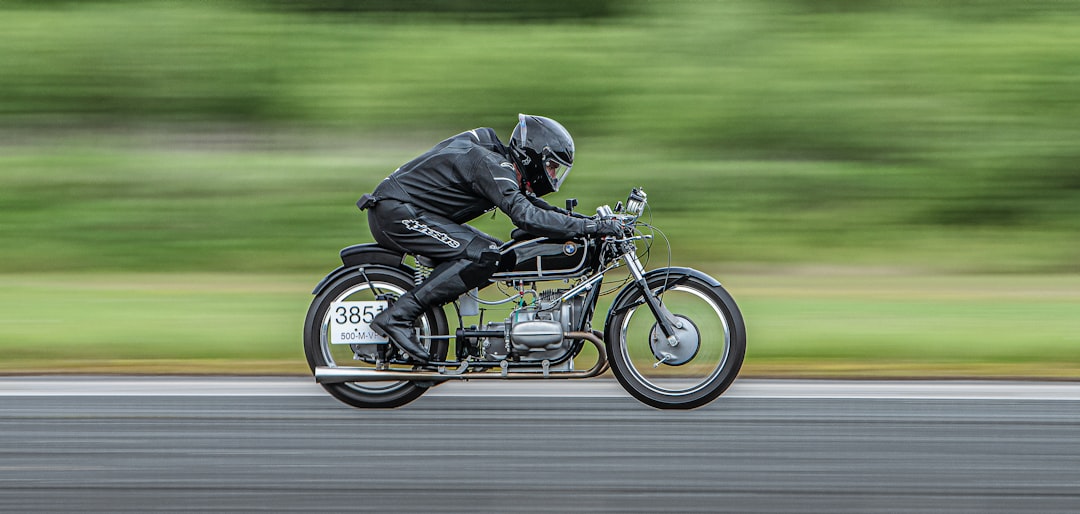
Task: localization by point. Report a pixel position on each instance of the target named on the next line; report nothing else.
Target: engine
(535, 332)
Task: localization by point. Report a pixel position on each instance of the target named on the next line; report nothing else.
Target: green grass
(153, 323)
(822, 324)
(913, 325)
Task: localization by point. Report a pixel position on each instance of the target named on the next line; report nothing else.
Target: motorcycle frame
(611, 252)
(593, 272)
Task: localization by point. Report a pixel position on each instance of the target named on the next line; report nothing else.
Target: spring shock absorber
(421, 272)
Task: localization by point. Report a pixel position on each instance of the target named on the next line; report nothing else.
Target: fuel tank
(545, 259)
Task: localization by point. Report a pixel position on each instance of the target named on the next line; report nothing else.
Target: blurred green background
(888, 187)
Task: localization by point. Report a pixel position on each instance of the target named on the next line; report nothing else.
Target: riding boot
(443, 285)
(396, 323)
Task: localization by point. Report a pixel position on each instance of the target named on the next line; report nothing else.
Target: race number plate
(349, 322)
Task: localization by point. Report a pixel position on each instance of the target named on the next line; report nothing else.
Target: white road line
(158, 386)
(597, 388)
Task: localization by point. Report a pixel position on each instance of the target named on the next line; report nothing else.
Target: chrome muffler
(337, 375)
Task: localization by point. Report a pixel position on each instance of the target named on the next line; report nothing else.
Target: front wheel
(704, 361)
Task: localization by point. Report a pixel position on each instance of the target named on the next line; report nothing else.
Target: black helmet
(543, 151)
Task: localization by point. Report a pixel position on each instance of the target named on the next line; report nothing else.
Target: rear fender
(358, 256)
(371, 253)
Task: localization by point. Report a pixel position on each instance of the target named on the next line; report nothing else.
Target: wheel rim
(713, 339)
(336, 355)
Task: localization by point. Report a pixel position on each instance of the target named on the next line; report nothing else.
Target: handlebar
(626, 216)
(635, 206)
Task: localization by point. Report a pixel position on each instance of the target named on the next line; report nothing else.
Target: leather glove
(607, 228)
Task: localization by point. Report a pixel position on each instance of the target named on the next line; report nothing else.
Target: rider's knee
(484, 259)
(484, 254)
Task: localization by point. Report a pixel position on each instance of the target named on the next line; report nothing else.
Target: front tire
(712, 343)
(365, 286)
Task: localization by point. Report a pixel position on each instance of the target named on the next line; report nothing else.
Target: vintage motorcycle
(673, 337)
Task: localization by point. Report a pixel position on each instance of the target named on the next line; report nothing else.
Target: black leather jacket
(470, 174)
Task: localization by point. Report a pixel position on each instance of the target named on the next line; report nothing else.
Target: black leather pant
(465, 257)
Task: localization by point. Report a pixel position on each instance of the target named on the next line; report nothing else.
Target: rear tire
(357, 286)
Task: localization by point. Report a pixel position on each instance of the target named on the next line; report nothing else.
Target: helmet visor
(557, 169)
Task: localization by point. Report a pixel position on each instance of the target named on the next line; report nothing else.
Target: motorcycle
(673, 337)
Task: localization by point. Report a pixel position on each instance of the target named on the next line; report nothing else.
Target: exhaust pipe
(337, 375)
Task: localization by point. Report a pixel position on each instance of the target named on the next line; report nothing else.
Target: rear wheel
(700, 367)
(357, 286)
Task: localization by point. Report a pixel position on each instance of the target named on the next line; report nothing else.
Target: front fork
(667, 321)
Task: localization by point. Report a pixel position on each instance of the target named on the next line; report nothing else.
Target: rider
(421, 207)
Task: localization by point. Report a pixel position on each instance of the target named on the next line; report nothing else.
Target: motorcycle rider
(422, 206)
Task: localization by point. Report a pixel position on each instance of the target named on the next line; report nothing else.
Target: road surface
(280, 444)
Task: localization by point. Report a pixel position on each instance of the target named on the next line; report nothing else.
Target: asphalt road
(140, 445)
